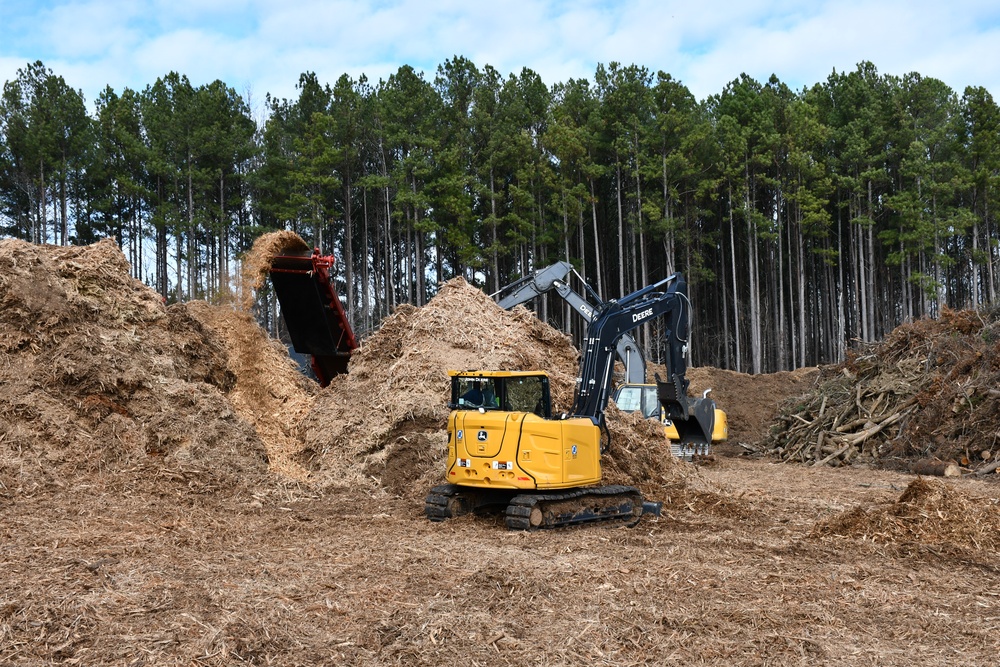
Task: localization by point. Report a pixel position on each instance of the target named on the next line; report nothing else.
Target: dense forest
(805, 221)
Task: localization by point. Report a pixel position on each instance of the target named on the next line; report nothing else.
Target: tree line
(805, 221)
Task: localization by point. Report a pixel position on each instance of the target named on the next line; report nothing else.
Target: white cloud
(264, 45)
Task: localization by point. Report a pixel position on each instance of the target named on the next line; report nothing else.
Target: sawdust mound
(97, 375)
(928, 391)
(383, 424)
(929, 511)
(268, 389)
(639, 455)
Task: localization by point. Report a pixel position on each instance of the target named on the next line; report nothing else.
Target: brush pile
(927, 395)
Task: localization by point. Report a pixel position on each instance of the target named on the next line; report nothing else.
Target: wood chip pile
(269, 390)
(927, 393)
(97, 375)
(97, 372)
(383, 424)
(639, 455)
(929, 511)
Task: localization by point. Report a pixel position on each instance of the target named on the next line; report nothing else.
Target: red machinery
(316, 320)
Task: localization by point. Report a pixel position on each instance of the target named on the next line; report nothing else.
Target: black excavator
(507, 451)
(552, 278)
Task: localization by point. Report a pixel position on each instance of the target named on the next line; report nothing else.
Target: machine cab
(641, 397)
(508, 391)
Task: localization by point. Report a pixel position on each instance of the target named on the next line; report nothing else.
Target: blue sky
(261, 46)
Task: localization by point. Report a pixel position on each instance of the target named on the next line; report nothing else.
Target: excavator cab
(639, 397)
(510, 392)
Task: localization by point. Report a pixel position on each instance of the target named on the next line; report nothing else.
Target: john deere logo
(481, 436)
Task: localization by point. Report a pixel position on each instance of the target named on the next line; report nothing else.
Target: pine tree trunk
(598, 282)
(349, 245)
(365, 266)
(621, 228)
(736, 298)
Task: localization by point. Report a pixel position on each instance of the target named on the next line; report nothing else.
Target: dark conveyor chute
(317, 322)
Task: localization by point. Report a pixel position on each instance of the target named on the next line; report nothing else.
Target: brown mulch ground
(132, 573)
(171, 492)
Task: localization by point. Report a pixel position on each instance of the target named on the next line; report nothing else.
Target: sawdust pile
(639, 455)
(383, 424)
(929, 511)
(269, 391)
(927, 392)
(97, 375)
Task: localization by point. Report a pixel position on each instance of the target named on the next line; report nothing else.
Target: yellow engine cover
(520, 450)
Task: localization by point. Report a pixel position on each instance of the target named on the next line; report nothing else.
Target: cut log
(990, 467)
(937, 468)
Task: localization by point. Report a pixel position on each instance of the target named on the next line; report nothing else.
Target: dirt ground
(115, 572)
(173, 493)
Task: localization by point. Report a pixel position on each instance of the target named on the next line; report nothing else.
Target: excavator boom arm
(552, 278)
(667, 298)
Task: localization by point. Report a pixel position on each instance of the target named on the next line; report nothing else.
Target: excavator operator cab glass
(518, 393)
(473, 392)
(632, 397)
(529, 394)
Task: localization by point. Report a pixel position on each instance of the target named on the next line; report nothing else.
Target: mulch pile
(926, 394)
(383, 424)
(269, 391)
(929, 511)
(97, 375)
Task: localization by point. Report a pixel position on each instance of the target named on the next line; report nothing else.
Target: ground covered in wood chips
(173, 492)
(752, 569)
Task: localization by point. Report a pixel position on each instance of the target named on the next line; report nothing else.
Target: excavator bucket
(694, 418)
(314, 315)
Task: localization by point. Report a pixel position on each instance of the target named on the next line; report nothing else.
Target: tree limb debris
(925, 393)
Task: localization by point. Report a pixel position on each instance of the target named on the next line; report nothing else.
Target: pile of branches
(925, 399)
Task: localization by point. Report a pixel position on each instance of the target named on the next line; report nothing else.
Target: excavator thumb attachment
(316, 320)
(694, 418)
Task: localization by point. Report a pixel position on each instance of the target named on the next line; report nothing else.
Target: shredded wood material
(929, 511)
(96, 375)
(383, 424)
(269, 390)
(258, 259)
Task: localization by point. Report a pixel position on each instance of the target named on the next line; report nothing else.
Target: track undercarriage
(539, 509)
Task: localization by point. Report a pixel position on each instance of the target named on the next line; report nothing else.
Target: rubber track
(518, 516)
(436, 505)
